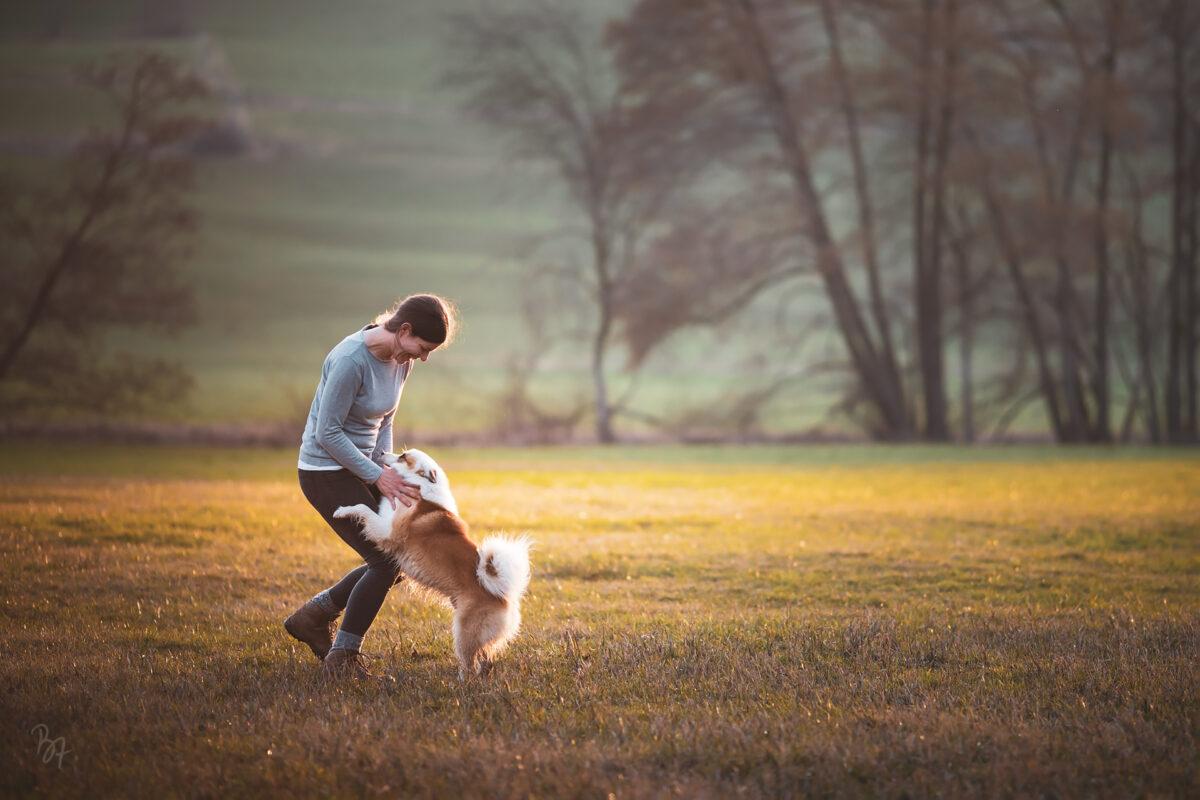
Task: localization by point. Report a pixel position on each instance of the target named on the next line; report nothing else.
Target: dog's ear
(433, 476)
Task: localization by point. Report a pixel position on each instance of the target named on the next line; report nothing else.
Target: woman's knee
(386, 568)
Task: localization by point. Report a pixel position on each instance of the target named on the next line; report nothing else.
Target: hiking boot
(341, 663)
(312, 625)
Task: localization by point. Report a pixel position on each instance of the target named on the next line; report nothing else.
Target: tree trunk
(1138, 271)
(866, 211)
(966, 338)
(936, 428)
(1102, 431)
(1131, 411)
(1057, 195)
(1177, 308)
(1191, 240)
(604, 291)
(604, 431)
(1046, 384)
(925, 292)
(886, 397)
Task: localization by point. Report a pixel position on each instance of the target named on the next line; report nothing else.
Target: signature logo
(49, 749)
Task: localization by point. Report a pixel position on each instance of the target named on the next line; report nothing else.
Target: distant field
(702, 622)
(384, 187)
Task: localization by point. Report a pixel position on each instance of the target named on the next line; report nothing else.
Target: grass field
(701, 623)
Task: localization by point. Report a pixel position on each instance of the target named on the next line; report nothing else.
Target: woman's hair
(433, 318)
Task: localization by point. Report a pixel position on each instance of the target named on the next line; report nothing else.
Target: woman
(348, 432)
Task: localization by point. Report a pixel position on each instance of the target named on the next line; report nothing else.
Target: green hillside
(366, 180)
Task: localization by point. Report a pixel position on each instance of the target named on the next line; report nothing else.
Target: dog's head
(419, 467)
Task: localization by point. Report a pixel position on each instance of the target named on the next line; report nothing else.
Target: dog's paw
(341, 512)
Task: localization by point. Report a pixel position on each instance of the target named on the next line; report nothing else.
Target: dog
(429, 543)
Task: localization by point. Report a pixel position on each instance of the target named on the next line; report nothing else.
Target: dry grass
(700, 628)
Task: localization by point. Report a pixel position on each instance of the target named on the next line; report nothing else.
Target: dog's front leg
(386, 515)
(373, 525)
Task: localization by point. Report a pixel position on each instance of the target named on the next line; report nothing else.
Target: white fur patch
(508, 558)
(423, 471)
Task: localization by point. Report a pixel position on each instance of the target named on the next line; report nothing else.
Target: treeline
(996, 198)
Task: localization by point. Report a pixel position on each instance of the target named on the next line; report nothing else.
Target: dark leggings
(362, 591)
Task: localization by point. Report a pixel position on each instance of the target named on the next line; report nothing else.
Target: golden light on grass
(974, 627)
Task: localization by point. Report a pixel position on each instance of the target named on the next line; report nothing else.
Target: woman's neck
(380, 343)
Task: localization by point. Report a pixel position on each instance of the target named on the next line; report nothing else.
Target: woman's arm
(341, 386)
(383, 444)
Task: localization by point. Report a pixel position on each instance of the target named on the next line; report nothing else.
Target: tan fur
(429, 543)
(431, 546)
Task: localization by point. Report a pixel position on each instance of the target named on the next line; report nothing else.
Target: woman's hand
(394, 488)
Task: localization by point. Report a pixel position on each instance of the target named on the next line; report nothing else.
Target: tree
(1079, 117)
(542, 78)
(520, 417)
(1181, 23)
(534, 75)
(760, 60)
(928, 266)
(1033, 135)
(101, 251)
(862, 189)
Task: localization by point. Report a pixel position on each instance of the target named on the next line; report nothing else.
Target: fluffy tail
(504, 566)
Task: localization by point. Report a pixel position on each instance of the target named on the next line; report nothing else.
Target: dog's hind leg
(500, 627)
(467, 644)
(480, 634)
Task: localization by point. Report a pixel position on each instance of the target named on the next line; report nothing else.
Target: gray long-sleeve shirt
(350, 421)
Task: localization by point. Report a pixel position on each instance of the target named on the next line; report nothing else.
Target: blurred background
(663, 220)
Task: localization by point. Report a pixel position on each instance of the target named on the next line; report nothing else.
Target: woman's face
(409, 346)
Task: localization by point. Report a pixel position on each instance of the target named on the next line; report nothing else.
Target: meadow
(702, 622)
